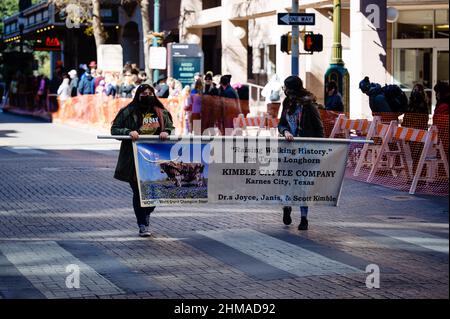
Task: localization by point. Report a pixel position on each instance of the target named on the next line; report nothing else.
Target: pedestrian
(333, 99)
(73, 83)
(144, 115)
(64, 89)
(299, 118)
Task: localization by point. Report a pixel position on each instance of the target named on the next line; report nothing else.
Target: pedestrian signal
(313, 42)
(286, 40)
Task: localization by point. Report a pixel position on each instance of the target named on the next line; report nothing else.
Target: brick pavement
(60, 206)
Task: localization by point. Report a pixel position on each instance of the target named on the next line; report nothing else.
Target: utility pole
(295, 37)
(156, 38)
(337, 71)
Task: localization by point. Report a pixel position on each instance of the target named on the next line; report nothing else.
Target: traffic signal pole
(295, 38)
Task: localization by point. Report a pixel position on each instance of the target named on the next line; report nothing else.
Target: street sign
(296, 19)
(185, 60)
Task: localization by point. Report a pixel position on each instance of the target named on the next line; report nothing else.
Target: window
(422, 24)
(208, 4)
(441, 24)
(415, 24)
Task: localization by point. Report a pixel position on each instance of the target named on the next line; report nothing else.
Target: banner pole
(216, 138)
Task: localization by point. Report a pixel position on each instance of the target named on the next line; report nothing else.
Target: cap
(364, 84)
(93, 64)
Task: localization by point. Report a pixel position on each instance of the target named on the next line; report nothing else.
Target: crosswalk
(42, 264)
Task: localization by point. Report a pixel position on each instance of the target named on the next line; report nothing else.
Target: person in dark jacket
(210, 86)
(86, 85)
(299, 118)
(377, 100)
(417, 114)
(144, 115)
(333, 99)
(73, 82)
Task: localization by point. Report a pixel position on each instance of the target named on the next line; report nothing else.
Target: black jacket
(127, 120)
(310, 122)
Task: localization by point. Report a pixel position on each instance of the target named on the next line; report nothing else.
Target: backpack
(396, 98)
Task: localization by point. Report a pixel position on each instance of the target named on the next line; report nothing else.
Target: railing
(256, 100)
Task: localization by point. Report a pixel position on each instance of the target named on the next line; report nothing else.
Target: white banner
(304, 172)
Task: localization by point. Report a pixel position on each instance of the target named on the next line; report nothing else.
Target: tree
(84, 11)
(7, 9)
(146, 31)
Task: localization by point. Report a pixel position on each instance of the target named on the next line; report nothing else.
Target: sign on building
(110, 57)
(185, 60)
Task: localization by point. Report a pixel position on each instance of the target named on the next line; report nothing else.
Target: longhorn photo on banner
(167, 180)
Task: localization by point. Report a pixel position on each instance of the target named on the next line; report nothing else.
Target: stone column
(234, 50)
(188, 10)
(368, 50)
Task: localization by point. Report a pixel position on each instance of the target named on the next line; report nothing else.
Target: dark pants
(142, 213)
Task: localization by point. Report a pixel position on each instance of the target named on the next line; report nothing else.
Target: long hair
(296, 93)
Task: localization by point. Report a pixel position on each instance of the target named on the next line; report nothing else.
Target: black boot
(303, 224)
(287, 220)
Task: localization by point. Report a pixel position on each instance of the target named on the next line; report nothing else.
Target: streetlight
(337, 71)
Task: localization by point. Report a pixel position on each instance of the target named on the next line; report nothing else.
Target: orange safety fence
(403, 156)
(409, 153)
(99, 111)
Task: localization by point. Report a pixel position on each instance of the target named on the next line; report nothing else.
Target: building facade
(243, 38)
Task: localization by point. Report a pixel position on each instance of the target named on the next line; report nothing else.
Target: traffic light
(286, 40)
(313, 42)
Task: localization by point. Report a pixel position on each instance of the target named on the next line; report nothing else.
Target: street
(60, 206)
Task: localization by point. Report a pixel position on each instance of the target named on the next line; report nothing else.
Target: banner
(245, 170)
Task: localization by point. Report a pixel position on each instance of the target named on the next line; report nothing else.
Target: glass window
(415, 24)
(45, 14)
(441, 24)
(413, 66)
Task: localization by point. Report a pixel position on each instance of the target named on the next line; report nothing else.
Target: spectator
(111, 85)
(73, 82)
(101, 88)
(231, 107)
(272, 93)
(196, 96)
(440, 116)
(377, 100)
(42, 92)
(333, 99)
(162, 89)
(127, 87)
(442, 96)
(64, 89)
(99, 77)
(86, 85)
(417, 113)
(210, 87)
(187, 109)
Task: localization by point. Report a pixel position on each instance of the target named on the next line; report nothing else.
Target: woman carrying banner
(299, 118)
(145, 115)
